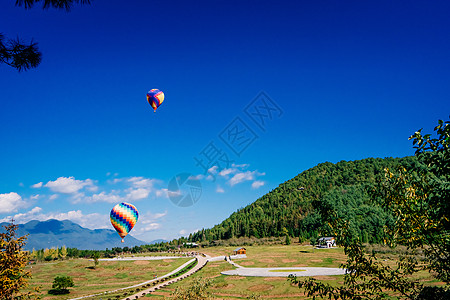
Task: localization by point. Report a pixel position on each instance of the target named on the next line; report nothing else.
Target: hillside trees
(418, 200)
(344, 186)
(13, 259)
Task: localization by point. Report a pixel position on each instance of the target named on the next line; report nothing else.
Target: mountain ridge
(54, 233)
(291, 208)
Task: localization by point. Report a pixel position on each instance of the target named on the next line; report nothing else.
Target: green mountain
(291, 208)
(54, 233)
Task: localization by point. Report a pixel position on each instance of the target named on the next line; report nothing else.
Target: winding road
(281, 272)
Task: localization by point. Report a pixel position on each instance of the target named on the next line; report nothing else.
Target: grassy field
(112, 275)
(238, 287)
(108, 275)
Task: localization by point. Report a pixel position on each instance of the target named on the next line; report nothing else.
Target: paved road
(269, 272)
(142, 258)
(278, 272)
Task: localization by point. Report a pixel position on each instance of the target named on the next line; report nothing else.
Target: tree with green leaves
(21, 55)
(61, 285)
(13, 259)
(95, 256)
(419, 202)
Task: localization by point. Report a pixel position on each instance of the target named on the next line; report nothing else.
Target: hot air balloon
(123, 218)
(155, 97)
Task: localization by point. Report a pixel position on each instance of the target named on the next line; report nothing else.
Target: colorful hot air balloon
(123, 218)
(155, 97)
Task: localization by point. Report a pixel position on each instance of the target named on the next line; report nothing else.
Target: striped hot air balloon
(123, 218)
(155, 97)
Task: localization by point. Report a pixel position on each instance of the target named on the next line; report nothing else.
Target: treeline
(291, 208)
(61, 253)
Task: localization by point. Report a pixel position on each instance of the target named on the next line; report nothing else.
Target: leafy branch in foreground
(22, 56)
(419, 201)
(58, 4)
(366, 276)
(17, 54)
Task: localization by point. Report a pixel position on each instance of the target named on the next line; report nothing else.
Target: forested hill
(288, 208)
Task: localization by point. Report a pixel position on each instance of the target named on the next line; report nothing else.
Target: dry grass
(109, 275)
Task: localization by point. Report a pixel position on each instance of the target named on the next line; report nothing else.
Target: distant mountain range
(54, 233)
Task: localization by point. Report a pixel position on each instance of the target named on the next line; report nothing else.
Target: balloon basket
(123, 241)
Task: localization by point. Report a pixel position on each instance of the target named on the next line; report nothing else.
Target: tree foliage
(95, 256)
(13, 259)
(58, 4)
(21, 55)
(418, 200)
(61, 285)
(196, 290)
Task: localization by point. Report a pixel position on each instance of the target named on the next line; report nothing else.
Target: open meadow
(111, 275)
(240, 287)
(107, 276)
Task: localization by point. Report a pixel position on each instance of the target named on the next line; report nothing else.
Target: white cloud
(34, 197)
(196, 177)
(149, 217)
(241, 166)
(226, 172)
(68, 185)
(219, 189)
(158, 215)
(182, 231)
(37, 185)
(53, 197)
(213, 170)
(152, 226)
(23, 217)
(149, 222)
(116, 180)
(93, 188)
(103, 197)
(141, 182)
(257, 184)
(11, 202)
(162, 193)
(174, 193)
(138, 194)
(91, 221)
(241, 177)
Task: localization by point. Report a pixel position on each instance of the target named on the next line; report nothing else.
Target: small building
(190, 245)
(239, 250)
(326, 242)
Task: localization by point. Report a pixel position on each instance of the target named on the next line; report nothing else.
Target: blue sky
(346, 80)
